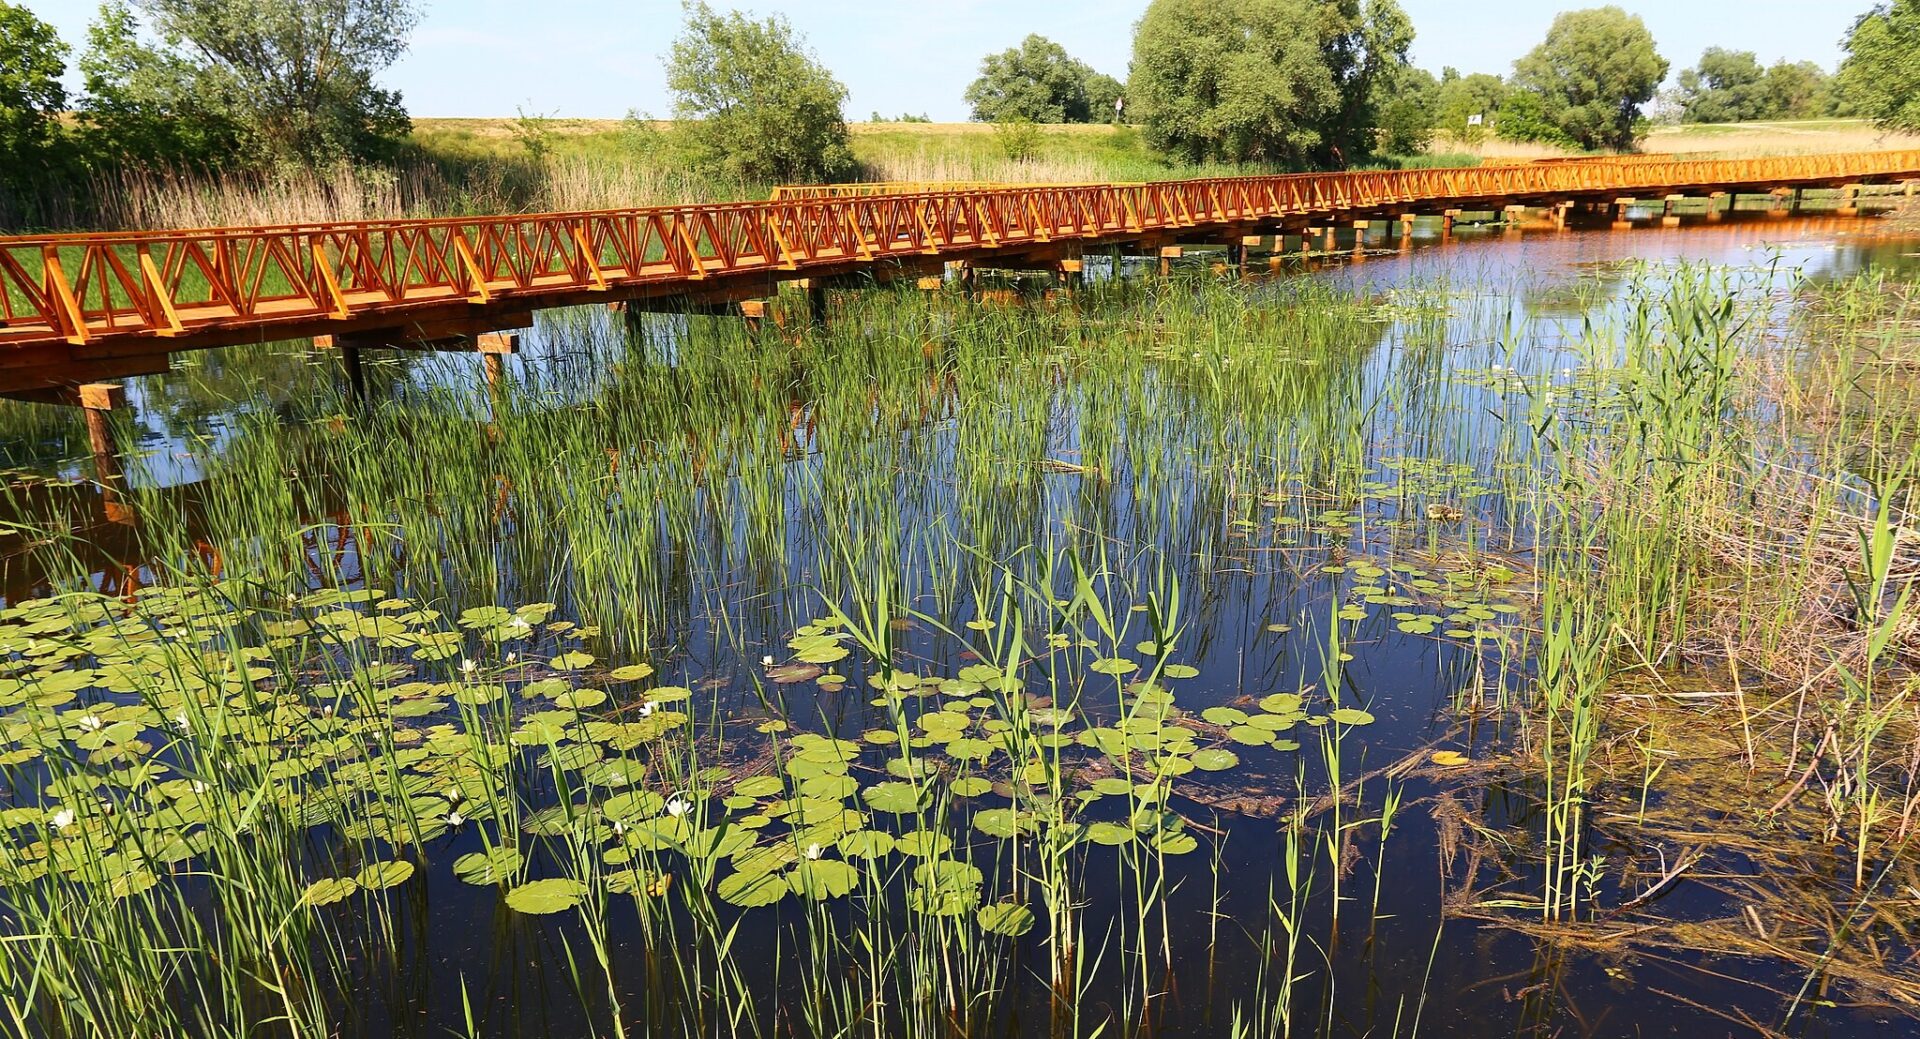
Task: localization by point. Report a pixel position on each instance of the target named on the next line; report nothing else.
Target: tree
(1881, 74)
(296, 76)
(1103, 98)
(1800, 90)
(1591, 75)
(1461, 98)
(32, 60)
(1727, 87)
(1407, 108)
(753, 103)
(140, 107)
(1040, 82)
(1284, 82)
(1731, 87)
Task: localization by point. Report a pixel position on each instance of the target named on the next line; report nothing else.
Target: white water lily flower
(182, 722)
(767, 660)
(511, 657)
(646, 708)
(454, 795)
(519, 623)
(92, 723)
(619, 827)
(199, 787)
(467, 665)
(63, 818)
(455, 819)
(678, 807)
(813, 851)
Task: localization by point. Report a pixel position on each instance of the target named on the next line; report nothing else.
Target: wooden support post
(816, 302)
(1562, 211)
(1717, 205)
(356, 372)
(1168, 254)
(1447, 220)
(1849, 201)
(1072, 273)
(494, 348)
(96, 400)
(1513, 217)
(754, 313)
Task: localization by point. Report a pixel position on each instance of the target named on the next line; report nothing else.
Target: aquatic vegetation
(1124, 659)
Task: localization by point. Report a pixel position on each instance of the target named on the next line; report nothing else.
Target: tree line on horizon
(1284, 84)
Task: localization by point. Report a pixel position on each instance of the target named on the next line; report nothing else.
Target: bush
(753, 103)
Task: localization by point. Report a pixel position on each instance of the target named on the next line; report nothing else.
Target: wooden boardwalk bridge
(80, 308)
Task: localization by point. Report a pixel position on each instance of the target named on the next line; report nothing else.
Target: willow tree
(752, 103)
(297, 77)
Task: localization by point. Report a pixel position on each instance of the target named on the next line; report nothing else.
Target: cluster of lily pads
(135, 728)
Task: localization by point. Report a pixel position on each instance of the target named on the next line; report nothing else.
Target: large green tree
(296, 76)
(32, 60)
(1728, 86)
(1285, 82)
(1040, 82)
(1881, 74)
(1591, 76)
(1731, 87)
(1460, 99)
(1407, 107)
(1801, 90)
(753, 103)
(141, 105)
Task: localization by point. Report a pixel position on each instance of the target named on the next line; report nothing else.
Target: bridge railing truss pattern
(166, 289)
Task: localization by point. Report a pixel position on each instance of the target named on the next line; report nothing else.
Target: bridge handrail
(82, 288)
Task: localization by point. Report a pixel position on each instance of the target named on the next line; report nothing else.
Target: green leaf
(1215, 760)
(543, 897)
(488, 867)
(900, 798)
(382, 875)
(752, 889)
(823, 878)
(1006, 918)
(327, 892)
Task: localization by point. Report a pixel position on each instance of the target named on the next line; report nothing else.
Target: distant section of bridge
(80, 308)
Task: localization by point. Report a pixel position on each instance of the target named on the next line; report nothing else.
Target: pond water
(1152, 507)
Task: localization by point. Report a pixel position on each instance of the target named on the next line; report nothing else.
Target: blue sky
(599, 58)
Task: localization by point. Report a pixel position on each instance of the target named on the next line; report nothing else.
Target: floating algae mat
(1510, 638)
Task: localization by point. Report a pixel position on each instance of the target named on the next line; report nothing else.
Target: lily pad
(1215, 760)
(543, 897)
(1010, 919)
